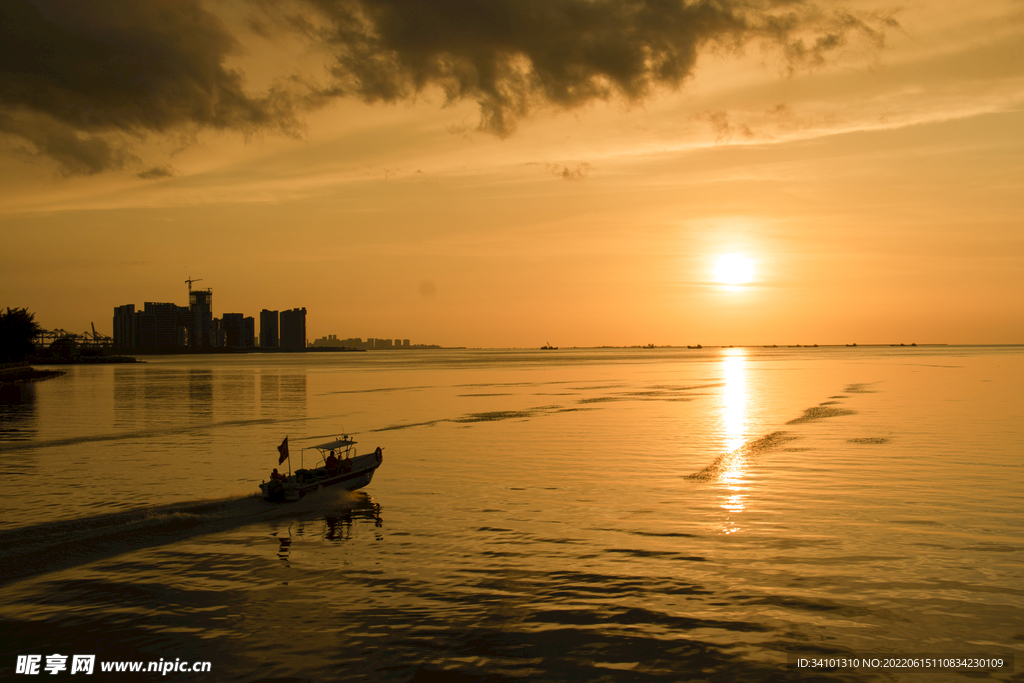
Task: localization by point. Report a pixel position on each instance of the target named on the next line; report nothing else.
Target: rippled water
(640, 515)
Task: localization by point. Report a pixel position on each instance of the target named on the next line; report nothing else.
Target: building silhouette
(371, 344)
(169, 328)
(164, 326)
(269, 338)
(237, 330)
(217, 333)
(293, 330)
(249, 332)
(158, 327)
(126, 327)
(200, 306)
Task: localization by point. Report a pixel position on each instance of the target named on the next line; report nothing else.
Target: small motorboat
(340, 465)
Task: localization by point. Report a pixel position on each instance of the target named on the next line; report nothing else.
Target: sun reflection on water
(734, 428)
(734, 399)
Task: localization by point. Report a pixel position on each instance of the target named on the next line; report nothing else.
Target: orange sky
(876, 185)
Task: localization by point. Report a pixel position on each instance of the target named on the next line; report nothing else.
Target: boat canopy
(334, 445)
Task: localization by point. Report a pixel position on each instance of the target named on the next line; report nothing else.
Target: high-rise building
(126, 328)
(269, 329)
(293, 329)
(217, 335)
(249, 333)
(164, 327)
(200, 305)
(235, 331)
(236, 336)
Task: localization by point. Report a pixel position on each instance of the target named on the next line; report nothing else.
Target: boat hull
(350, 475)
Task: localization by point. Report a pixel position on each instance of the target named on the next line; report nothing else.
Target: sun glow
(734, 269)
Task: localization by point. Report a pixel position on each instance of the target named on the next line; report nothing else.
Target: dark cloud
(835, 28)
(75, 151)
(84, 82)
(513, 55)
(157, 172)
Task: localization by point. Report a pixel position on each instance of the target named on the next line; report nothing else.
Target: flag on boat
(283, 450)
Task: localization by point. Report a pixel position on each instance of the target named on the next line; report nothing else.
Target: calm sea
(568, 515)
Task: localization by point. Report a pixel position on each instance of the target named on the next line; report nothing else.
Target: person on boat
(332, 464)
(276, 476)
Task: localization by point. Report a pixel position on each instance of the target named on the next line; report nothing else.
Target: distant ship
(548, 347)
(698, 346)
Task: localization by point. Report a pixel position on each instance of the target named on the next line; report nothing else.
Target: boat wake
(727, 461)
(52, 546)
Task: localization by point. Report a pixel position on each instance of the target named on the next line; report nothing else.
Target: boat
(548, 347)
(341, 466)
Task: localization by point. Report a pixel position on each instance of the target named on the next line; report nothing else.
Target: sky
(510, 173)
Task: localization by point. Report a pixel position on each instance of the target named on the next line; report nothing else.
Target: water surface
(642, 515)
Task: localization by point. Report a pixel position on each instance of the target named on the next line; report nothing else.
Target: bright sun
(734, 269)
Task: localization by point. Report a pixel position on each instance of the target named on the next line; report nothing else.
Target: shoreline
(85, 360)
(26, 374)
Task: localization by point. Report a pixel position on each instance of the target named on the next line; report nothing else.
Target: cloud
(511, 56)
(724, 129)
(157, 172)
(577, 172)
(84, 83)
(77, 153)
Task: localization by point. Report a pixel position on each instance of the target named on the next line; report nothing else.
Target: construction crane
(189, 282)
(62, 333)
(95, 338)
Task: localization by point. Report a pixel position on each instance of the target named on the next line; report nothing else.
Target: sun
(734, 269)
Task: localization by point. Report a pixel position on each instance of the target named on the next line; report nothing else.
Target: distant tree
(17, 330)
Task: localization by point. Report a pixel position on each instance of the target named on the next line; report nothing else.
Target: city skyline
(166, 326)
(593, 174)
